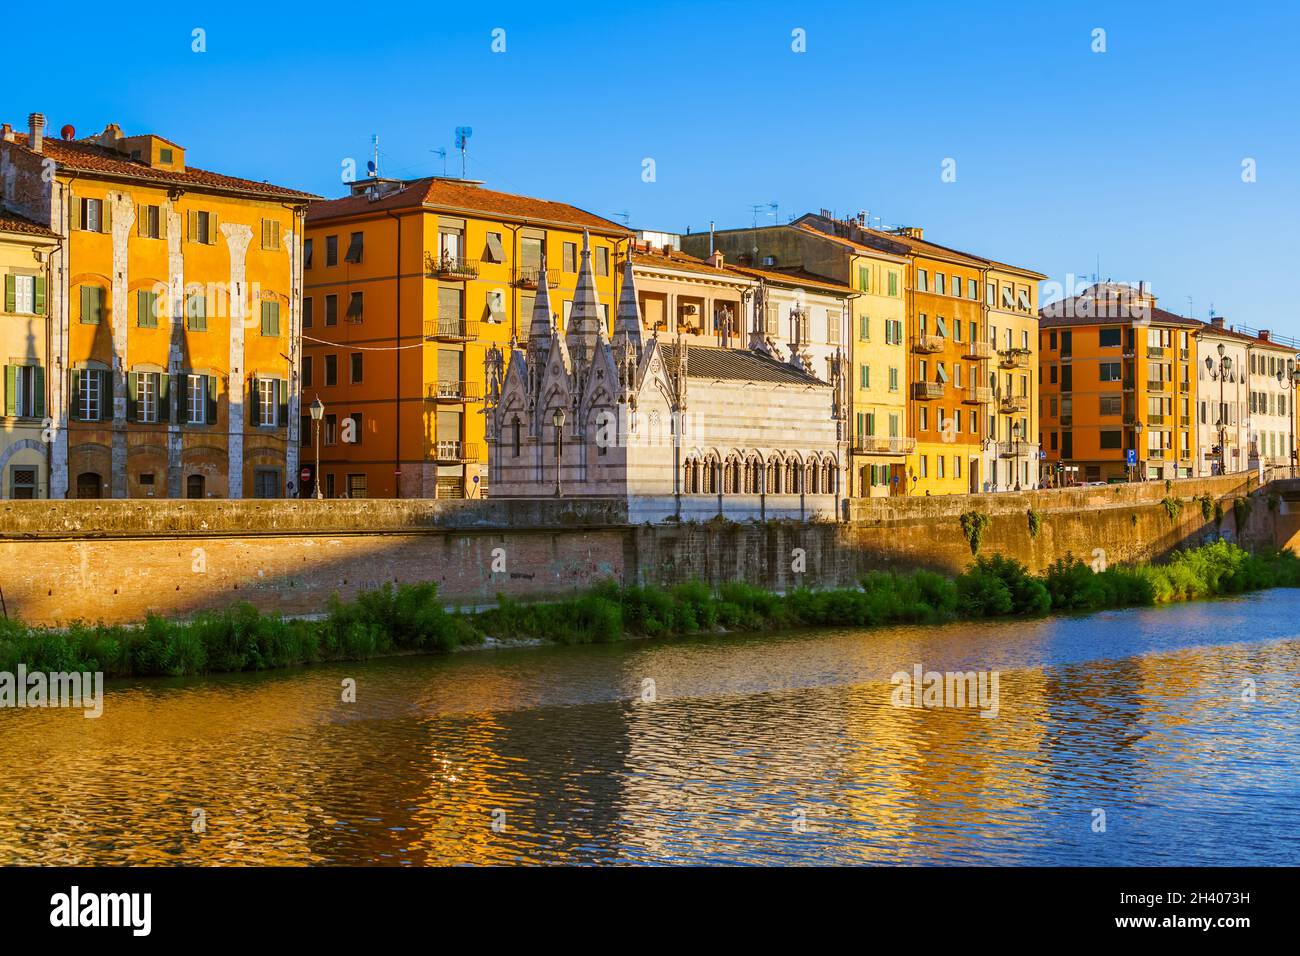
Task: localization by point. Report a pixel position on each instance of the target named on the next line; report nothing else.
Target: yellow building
(873, 282)
(407, 284)
(25, 248)
(1011, 447)
(173, 308)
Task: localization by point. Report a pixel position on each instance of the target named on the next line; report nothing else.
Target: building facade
(1222, 414)
(173, 304)
(871, 282)
(409, 283)
(25, 250)
(1271, 395)
(1011, 449)
(1117, 379)
(678, 431)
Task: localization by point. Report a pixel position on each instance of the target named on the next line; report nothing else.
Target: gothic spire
(539, 331)
(627, 322)
(585, 317)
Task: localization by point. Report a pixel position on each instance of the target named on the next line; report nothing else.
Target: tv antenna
(757, 208)
(463, 133)
(373, 166)
(442, 153)
(625, 216)
(776, 212)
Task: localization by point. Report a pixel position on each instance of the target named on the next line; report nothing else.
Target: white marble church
(679, 432)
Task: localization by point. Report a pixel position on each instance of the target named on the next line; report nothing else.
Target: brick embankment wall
(116, 561)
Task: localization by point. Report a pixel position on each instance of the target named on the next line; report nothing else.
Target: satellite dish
(370, 166)
(463, 133)
(68, 132)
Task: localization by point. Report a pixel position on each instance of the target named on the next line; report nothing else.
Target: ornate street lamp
(317, 412)
(1289, 378)
(1015, 434)
(1222, 372)
(557, 419)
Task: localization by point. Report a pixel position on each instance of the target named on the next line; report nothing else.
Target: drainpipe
(397, 388)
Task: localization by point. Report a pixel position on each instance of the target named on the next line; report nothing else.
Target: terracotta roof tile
(794, 277)
(460, 196)
(12, 222)
(92, 158)
(681, 261)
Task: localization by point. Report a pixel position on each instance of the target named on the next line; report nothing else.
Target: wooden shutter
(212, 228)
(106, 395)
(132, 393)
(74, 395)
(141, 223)
(38, 392)
(176, 412)
(162, 221)
(105, 215)
(210, 406)
(252, 402)
(191, 225)
(163, 397)
(10, 293)
(39, 297)
(11, 390)
(282, 399)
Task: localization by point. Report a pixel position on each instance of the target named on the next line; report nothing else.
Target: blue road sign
(1131, 456)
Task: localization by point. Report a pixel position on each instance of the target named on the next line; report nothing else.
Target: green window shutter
(142, 308)
(10, 293)
(106, 406)
(282, 400)
(74, 396)
(210, 406)
(132, 392)
(38, 390)
(164, 407)
(11, 390)
(40, 295)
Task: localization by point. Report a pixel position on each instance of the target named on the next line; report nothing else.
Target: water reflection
(774, 749)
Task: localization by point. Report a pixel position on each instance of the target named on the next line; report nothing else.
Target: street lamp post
(1225, 367)
(557, 419)
(1015, 434)
(1289, 378)
(1137, 445)
(317, 412)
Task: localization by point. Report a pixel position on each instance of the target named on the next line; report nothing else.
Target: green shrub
(1035, 523)
(1173, 507)
(973, 526)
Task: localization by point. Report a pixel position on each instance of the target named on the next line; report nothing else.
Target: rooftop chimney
(7, 133)
(1217, 321)
(36, 131)
(912, 232)
(715, 260)
(1263, 335)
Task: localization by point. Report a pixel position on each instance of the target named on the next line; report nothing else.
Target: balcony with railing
(1153, 386)
(1011, 449)
(1013, 359)
(926, 391)
(977, 350)
(1155, 454)
(1154, 419)
(876, 445)
(455, 451)
(978, 395)
(928, 344)
(453, 268)
(530, 277)
(1013, 403)
(1155, 351)
(450, 329)
(453, 392)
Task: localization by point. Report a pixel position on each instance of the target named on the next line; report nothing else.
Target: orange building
(1117, 377)
(407, 284)
(173, 311)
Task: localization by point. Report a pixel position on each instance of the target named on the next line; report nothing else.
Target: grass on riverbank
(411, 618)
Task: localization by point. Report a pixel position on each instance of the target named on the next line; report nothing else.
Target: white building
(679, 431)
(1221, 407)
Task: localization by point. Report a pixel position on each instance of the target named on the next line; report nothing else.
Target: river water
(1124, 737)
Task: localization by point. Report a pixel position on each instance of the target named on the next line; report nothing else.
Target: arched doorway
(90, 485)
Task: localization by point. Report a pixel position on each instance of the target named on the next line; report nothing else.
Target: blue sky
(1062, 154)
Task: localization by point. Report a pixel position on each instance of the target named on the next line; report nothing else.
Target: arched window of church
(514, 436)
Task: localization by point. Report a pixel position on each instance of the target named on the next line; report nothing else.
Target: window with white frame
(90, 394)
(196, 399)
(24, 295)
(266, 404)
